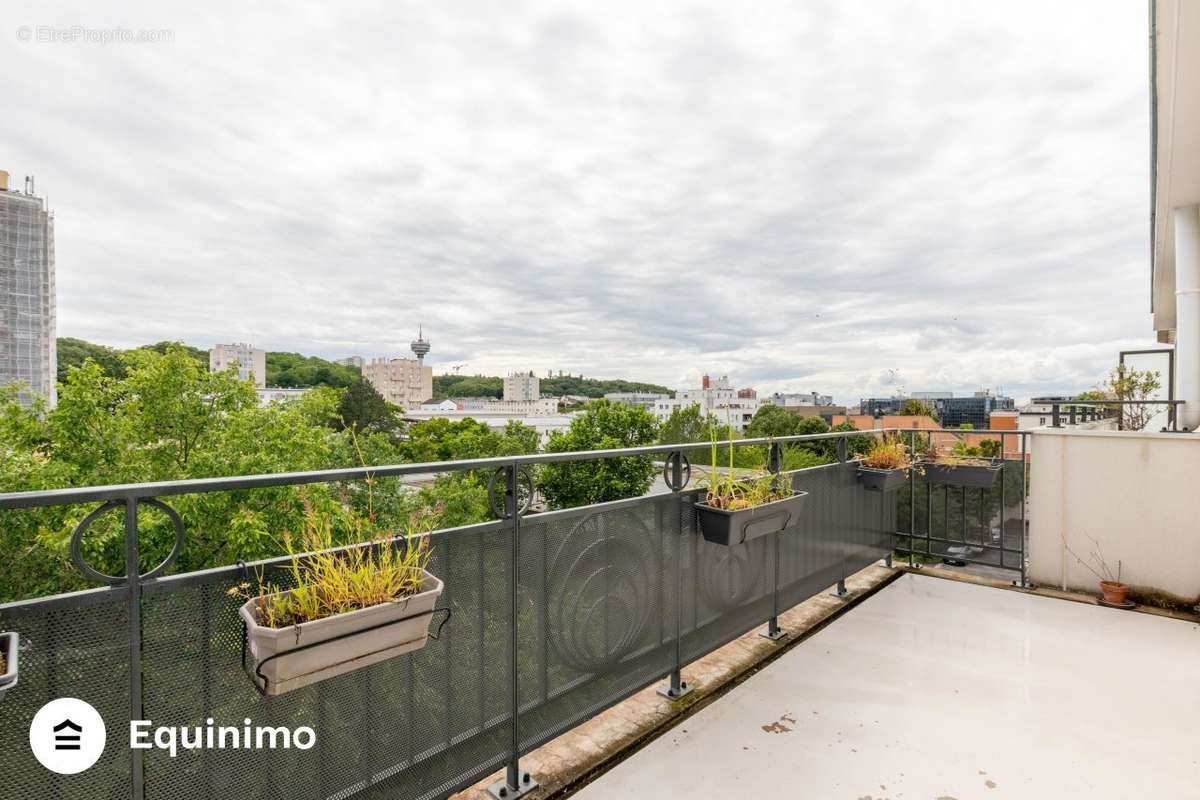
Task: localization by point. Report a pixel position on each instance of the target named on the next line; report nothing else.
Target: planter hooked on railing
(298, 655)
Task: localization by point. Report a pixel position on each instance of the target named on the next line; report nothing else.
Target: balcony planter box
(323, 648)
(8, 648)
(731, 528)
(970, 476)
(882, 480)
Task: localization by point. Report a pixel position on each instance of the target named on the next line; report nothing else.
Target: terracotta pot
(1114, 592)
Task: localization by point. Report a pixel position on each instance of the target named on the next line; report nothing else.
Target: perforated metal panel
(73, 646)
(609, 599)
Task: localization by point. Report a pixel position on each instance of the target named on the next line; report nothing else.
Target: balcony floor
(940, 689)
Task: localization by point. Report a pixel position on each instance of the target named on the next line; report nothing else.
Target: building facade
(716, 398)
(951, 411)
(645, 400)
(250, 363)
(277, 394)
(786, 399)
(522, 387)
(405, 382)
(28, 308)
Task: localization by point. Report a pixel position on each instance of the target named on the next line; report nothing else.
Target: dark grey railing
(555, 617)
(991, 522)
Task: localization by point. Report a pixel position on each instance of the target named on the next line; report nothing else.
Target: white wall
(1135, 493)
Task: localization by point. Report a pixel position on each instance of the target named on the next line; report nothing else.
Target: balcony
(563, 637)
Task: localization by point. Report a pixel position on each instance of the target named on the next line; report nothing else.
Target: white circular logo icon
(67, 735)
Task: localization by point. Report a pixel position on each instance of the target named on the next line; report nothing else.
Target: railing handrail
(87, 494)
(144, 490)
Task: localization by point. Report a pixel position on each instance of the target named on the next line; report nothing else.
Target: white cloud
(806, 196)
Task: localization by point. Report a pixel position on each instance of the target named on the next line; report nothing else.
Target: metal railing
(1079, 412)
(555, 617)
(991, 527)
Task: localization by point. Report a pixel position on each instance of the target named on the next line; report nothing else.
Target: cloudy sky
(847, 197)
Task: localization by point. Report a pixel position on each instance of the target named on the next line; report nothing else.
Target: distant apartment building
(490, 405)
(27, 297)
(785, 399)
(645, 400)
(250, 363)
(522, 387)
(716, 398)
(351, 361)
(405, 382)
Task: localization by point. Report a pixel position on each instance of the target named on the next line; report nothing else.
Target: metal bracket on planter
(260, 681)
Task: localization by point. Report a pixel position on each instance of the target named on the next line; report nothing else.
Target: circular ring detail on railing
(669, 470)
(103, 577)
(601, 591)
(496, 499)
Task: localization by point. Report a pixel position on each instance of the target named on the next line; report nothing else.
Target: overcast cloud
(847, 197)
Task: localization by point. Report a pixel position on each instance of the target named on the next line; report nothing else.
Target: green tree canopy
(363, 409)
(604, 425)
(918, 408)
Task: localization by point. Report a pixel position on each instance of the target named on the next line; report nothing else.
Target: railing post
(516, 783)
(912, 499)
(1055, 416)
(676, 688)
(774, 632)
(133, 581)
(1071, 415)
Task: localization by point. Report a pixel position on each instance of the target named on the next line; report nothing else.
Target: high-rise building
(251, 364)
(406, 382)
(522, 387)
(27, 302)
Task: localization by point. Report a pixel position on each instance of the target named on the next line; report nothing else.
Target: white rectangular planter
(387, 630)
(9, 642)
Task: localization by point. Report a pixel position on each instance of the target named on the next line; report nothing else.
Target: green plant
(329, 581)
(1102, 570)
(887, 452)
(963, 454)
(729, 492)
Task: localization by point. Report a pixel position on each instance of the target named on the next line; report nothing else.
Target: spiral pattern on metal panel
(601, 592)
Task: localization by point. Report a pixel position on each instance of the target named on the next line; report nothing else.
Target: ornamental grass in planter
(884, 467)
(347, 608)
(736, 510)
(8, 661)
(964, 466)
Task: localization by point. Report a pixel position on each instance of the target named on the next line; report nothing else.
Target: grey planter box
(323, 648)
(882, 480)
(8, 645)
(731, 528)
(970, 476)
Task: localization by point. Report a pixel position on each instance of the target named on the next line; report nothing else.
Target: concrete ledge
(587, 750)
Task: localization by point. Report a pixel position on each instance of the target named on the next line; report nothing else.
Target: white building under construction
(27, 302)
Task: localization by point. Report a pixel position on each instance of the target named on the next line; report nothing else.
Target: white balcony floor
(939, 689)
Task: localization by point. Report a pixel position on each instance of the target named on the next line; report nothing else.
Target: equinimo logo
(67, 735)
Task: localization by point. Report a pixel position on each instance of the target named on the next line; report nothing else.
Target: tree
(363, 409)
(685, 425)
(604, 425)
(1134, 386)
(913, 407)
(855, 445)
(773, 421)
